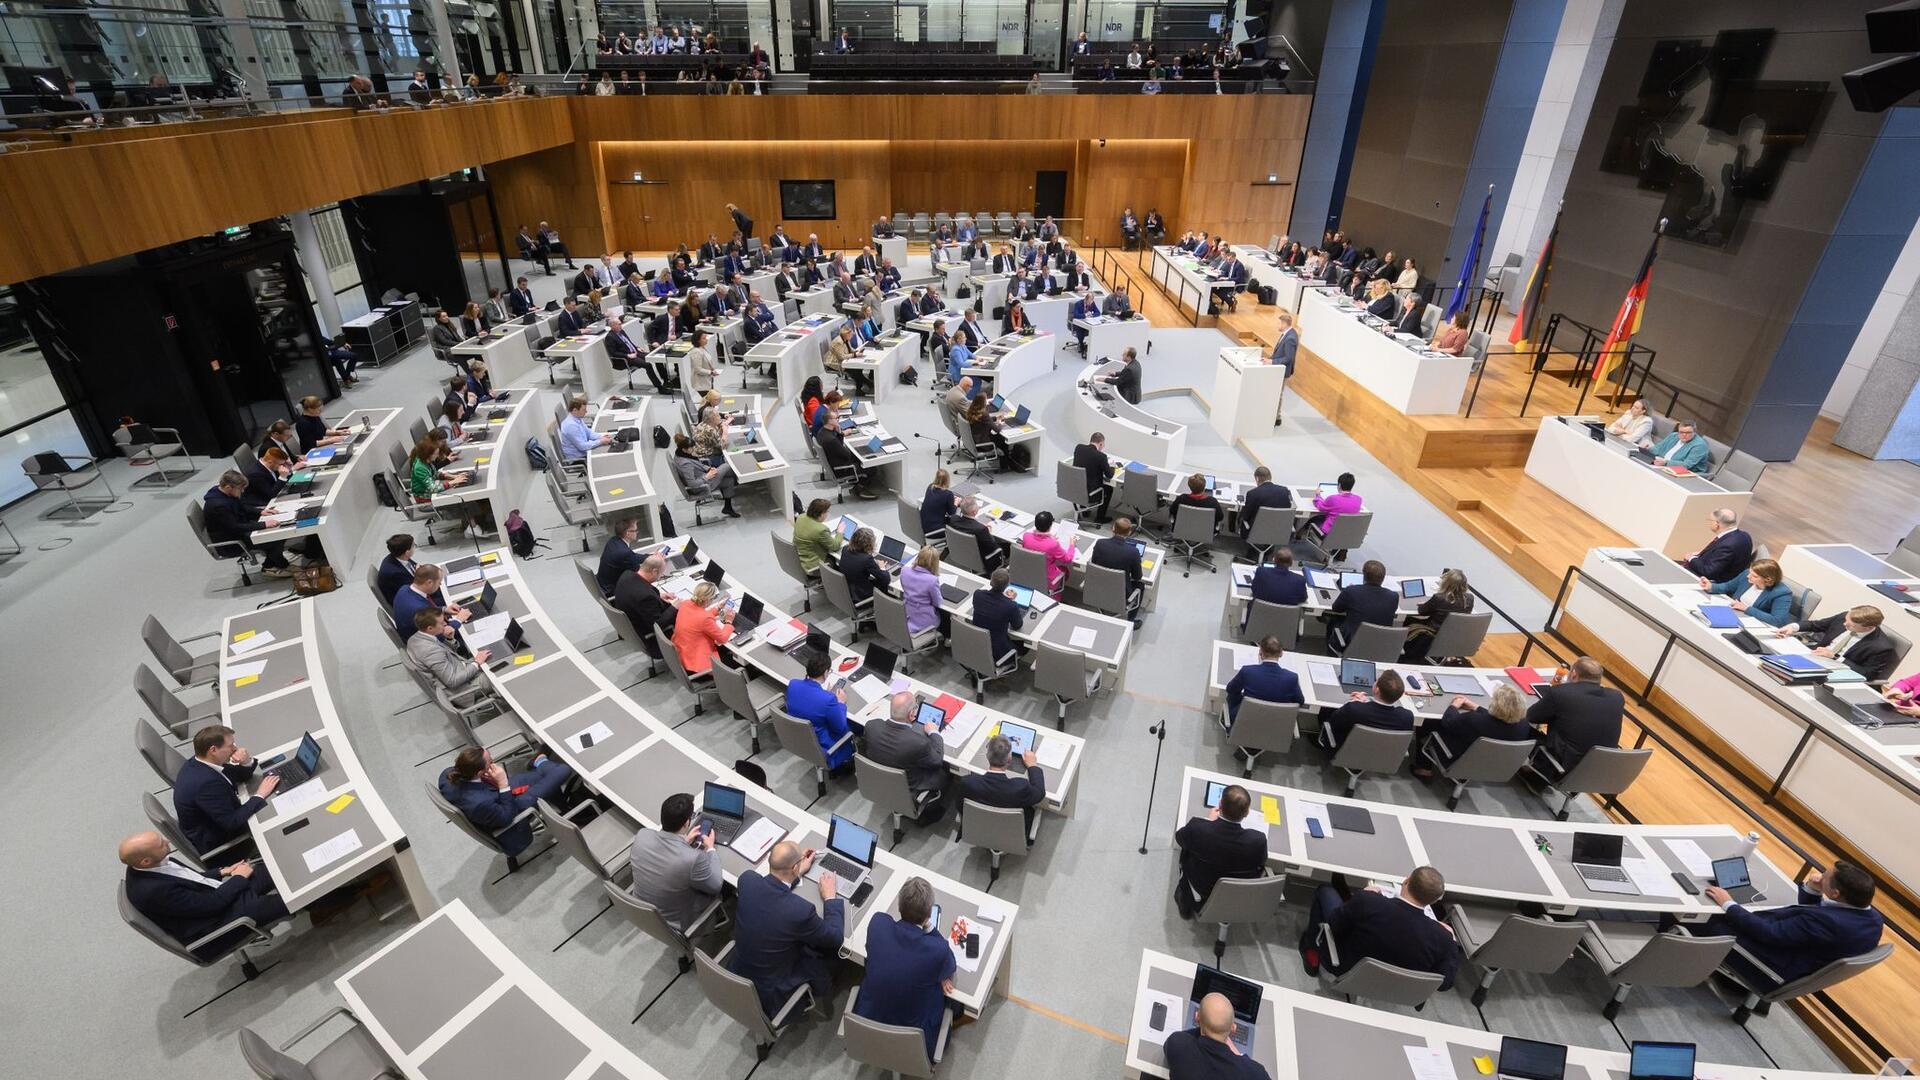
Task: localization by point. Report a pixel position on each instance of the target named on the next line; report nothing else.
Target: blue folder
(1720, 616)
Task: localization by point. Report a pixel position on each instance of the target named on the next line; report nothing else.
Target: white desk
(1404, 373)
(882, 358)
(506, 349)
(1841, 574)
(1049, 313)
(269, 710)
(343, 494)
(1014, 360)
(1304, 1036)
(1131, 431)
(751, 452)
(499, 463)
(1010, 523)
(1263, 269)
(447, 998)
(618, 478)
(989, 292)
(1642, 502)
(1246, 393)
(1193, 285)
(1109, 337)
(892, 247)
(796, 351)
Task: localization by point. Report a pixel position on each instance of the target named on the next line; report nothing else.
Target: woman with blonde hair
(1503, 717)
(1635, 425)
(698, 632)
(920, 588)
(1380, 300)
(1450, 596)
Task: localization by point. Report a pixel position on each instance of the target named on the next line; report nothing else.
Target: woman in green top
(423, 480)
(812, 540)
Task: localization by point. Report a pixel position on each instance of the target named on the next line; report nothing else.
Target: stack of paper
(243, 646)
(332, 851)
(963, 725)
(754, 841)
(1051, 753)
(1083, 637)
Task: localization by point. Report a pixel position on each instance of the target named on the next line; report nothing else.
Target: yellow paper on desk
(340, 803)
(244, 635)
(497, 423)
(490, 557)
(246, 680)
(481, 460)
(615, 491)
(1485, 1064)
(527, 659)
(1146, 565)
(1270, 808)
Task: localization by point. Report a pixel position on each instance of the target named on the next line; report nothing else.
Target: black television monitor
(807, 200)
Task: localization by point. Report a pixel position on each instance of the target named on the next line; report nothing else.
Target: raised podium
(1246, 393)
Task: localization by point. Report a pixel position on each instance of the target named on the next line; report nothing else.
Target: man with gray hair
(639, 598)
(909, 966)
(1727, 555)
(998, 787)
(966, 521)
(899, 743)
(780, 942)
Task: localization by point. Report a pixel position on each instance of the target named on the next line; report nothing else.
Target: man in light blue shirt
(958, 356)
(1682, 448)
(576, 438)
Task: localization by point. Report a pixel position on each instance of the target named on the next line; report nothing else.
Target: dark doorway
(1050, 194)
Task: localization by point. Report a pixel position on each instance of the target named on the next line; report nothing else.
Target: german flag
(1533, 299)
(1626, 322)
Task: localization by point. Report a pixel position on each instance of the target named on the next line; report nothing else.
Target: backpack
(384, 492)
(909, 375)
(520, 536)
(666, 521)
(536, 454)
(661, 442)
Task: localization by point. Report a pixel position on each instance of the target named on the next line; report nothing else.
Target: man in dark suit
(229, 518)
(785, 281)
(622, 353)
(1275, 581)
(740, 220)
(812, 249)
(998, 787)
(908, 309)
(637, 597)
(1357, 605)
(1091, 457)
(1577, 716)
(1264, 493)
(967, 522)
(1369, 925)
(206, 793)
(666, 326)
(189, 904)
(1117, 552)
(1287, 346)
(899, 743)
(930, 301)
(759, 324)
(718, 305)
(970, 327)
(996, 613)
(1264, 679)
(1727, 555)
(520, 300)
(266, 478)
(1853, 637)
(780, 942)
(1378, 710)
(618, 556)
(1232, 269)
(1218, 846)
(396, 570)
(1005, 262)
(569, 322)
(1832, 919)
(492, 800)
(1083, 307)
(1126, 381)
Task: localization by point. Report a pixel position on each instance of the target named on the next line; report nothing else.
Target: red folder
(949, 705)
(1528, 679)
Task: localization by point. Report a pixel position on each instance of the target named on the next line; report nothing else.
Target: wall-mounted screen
(807, 200)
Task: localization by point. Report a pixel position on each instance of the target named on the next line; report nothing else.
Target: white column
(443, 43)
(1870, 345)
(1559, 119)
(306, 245)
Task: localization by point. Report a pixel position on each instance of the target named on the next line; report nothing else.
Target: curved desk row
(495, 450)
(343, 494)
(1131, 431)
(637, 760)
(1403, 372)
(1014, 360)
(276, 674)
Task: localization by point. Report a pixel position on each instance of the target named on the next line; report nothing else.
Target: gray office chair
(616, 619)
(1487, 761)
(797, 738)
(1267, 619)
(416, 512)
(488, 840)
(900, 223)
(1070, 487)
(963, 550)
(354, 1054)
(1270, 530)
(1138, 498)
(239, 552)
(910, 520)
(922, 225)
(1901, 646)
(1761, 1001)
(698, 685)
(1192, 536)
(1460, 636)
(164, 823)
(575, 510)
(1064, 674)
(738, 998)
(1496, 939)
(179, 718)
(1347, 532)
(1263, 727)
(899, 1049)
(1371, 750)
(788, 557)
(890, 620)
(187, 668)
(840, 595)
(983, 223)
(1429, 320)
(655, 925)
(1375, 980)
(973, 649)
(887, 789)
(1381, 644)
(999, 829)
(1805, 602)
(244, 458)
(1634, 954)
(747, 698)
(1477, 343)
(66, 473)
(1003, 223)
(1740, 471)
(1241, 900)
(1027, 567)
(601, 845)
(1906, 554)
(164, 447)
(392, 631)
(1104, 589)
(1603, 770)
(146, 928)
(942, 218)
(160, 754)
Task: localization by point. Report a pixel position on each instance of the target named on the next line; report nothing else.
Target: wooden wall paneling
(972, 175)
(700, 178)
(1141, 173)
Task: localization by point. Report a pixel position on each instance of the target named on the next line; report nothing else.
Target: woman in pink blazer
(1040, 538)
(697, 632)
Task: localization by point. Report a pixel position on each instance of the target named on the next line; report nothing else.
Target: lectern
(1246, 393)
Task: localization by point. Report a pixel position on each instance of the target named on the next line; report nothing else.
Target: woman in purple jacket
(920, 588)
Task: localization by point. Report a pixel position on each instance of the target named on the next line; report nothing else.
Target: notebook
(1720, 616)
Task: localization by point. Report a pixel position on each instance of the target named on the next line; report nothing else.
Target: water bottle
(1753, 841)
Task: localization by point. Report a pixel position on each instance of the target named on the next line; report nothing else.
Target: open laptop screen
(851, 840)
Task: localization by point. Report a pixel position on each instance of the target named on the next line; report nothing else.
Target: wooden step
(1488, 526)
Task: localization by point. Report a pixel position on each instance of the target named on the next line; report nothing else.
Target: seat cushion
(1474, 924)
(352, 1056)
(608, 838)
(1614, 942)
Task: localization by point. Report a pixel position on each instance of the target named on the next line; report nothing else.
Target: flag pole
(1524, 343)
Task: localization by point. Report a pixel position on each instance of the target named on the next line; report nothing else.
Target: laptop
(1021, 736)
(1021, 415)
(1413, 588)
(849, 854)
(714, 573)
(879, 664)
(1525, 1059)
(1660, 1061)
(686, 557)
(516, 640)
(815, 639)
(1731, 874)
(748, 614)
(1596, 858)
(487, 599)
(893, 552)
(999, 403)
(1244, 995)
(725, 809)
(304, 763)
(1356, 674)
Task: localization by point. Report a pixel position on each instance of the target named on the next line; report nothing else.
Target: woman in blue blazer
(1759, 592)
